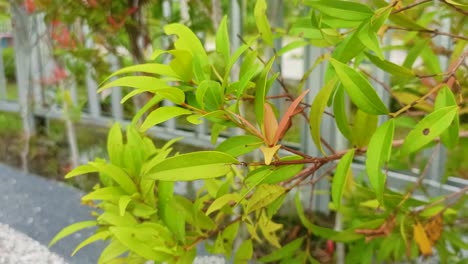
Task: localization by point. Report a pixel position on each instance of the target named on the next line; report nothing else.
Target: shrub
(9, 64)
(143, 218)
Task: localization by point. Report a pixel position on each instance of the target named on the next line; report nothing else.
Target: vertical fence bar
(383, 77)
(91, 84)
(35, 62)
(4, 30)
(276, 15)
(22, 45)
(437, 166)
(235, 30)
(3, 83)
(116, 93)
(167, 13)
(314, 83)
(235, 27)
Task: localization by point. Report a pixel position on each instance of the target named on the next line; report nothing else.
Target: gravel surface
(18, 248)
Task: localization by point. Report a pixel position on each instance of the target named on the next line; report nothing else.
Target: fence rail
(33, 62)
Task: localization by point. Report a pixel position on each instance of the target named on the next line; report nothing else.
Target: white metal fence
(34, 62)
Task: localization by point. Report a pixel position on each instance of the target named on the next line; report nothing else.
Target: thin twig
(456, 8)
(283, 85)
(446, 198)
(384, 85)
(431, 31)
(410, 6)
(211, 233)
(419, 180)
(296, 152)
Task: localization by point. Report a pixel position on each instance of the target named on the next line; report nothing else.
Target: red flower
(29, 6)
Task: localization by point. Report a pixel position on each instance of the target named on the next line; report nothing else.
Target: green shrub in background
(9, 64)
(142, 218)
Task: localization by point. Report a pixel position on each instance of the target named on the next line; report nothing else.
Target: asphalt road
(40, 208)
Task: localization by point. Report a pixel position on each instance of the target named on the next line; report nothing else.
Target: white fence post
(116, 93)
(91, 85)
(276, 15)
(438, 164)
(22, 45)
(3, 83)
(315, 83)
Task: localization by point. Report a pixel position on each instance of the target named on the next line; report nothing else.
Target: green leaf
(233, 59)
(300, 212)
(245, 78)
(303, 27)
(273, 208)
(368, 37)
(261, 91)
(262, 23)
(73, 228)
(165, 195)
(123, 203)
(187, 40)
(359, 89)
(117, 174)
(349, 48)
(80, 170)
(378, 153)
(222, 201)
(98, 236)
(274, 174)
(264, 195)
(344, 10)
(390, 67)
(137, 82)
(284, 172)
(104, 194)
(134, 239)
(431, 61)
(115, 144)
(380, 17)
(134, 154)
(410, 98)
(150, 104)
(458, 3)
(210, 95)
(216, 129)
(115, 219)
(113, 250)
(363, 128)
(340, 110)
(428, 129)
(414, 52)
(153, 68)
(175, 220)
(286, 251)
(340, 179)
(162, 114)
(222, 40)
(445, 97)
(181, 63)
(193, 166)
(317, 109)
(170, 211)
(292, 46)
(239, 145)
(245, 253)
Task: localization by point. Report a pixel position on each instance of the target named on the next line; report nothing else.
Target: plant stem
(431, 31)
(410, 6)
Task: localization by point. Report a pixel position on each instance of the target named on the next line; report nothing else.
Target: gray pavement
(40, 208)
